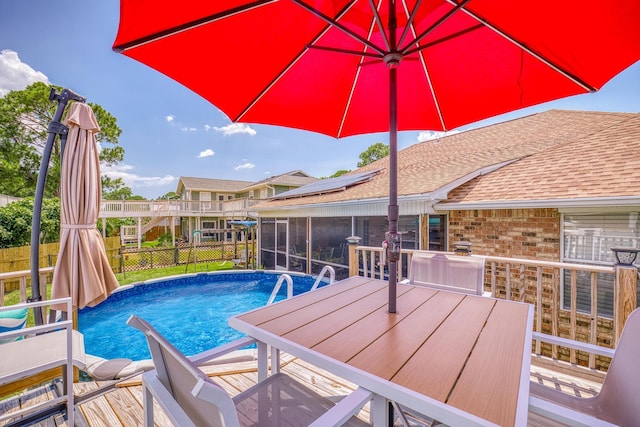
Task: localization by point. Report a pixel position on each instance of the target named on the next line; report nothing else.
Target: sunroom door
(282, 234)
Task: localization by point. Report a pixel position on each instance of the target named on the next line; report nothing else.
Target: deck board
(111, 409)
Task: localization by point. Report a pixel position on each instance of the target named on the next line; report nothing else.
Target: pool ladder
(285, 277)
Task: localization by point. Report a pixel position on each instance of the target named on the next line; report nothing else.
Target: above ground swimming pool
(190, 311)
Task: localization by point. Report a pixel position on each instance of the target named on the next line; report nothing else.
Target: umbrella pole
(393, 238)
(55, 128)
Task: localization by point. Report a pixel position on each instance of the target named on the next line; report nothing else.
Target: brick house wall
(513, 233)
(529, 234)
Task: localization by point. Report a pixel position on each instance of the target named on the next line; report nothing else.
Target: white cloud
(428, 135)
(15, 74)
(185, 129)
(170, 118)
(207, 128)
(135, 181)
(206, 153)
(235, 128)
(245, 166)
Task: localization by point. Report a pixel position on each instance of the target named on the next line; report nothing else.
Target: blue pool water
(191, 312)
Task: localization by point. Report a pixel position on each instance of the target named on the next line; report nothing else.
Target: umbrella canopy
(347, 67)
(82, 271)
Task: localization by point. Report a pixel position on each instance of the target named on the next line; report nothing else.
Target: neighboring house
(557, 185)
(208, 204)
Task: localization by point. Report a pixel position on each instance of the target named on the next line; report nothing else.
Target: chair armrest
(564, 415)
(345, 409)
(577, 345)
(216, 352)
(171, 408)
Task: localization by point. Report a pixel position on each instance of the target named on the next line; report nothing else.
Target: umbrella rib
(577, 80)
(439, 22)
(376, 16)
(189, 25)
(423, 62)
(334, 23)
(356, 77)
(345, 51)
(290, 64)
(409, 21)
(443, 39)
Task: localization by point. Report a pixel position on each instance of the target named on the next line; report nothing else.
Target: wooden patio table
(458, 358)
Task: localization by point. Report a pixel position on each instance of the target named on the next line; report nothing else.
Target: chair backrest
(12, 320)
(180, 378)
(449, 272)
(619, 397)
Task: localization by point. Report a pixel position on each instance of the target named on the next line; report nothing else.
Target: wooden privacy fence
(14, 260)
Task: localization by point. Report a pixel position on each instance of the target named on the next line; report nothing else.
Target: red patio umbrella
(347, 67)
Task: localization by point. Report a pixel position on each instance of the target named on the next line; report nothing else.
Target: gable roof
(210, 184)
(432, 167)
(602, 164)
(296, 178)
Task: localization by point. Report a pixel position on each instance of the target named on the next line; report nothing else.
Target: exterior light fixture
(462, 248)
(625, 256)
(353, 240)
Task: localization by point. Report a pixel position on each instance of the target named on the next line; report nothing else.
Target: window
(437, 232)
(588, 239)
(268, 242)
(372, 230)
(298, 244)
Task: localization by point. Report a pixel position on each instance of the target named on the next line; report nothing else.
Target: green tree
(375, 152)
(24, 118)
(171, 195)
(340, 173)
(115, 189)
(15, 222)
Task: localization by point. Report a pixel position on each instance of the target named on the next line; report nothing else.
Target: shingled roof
(210, 184)
(602, 164)
(296, 178)
(431, 166)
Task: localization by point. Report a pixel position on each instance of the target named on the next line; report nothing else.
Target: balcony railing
(155, 208)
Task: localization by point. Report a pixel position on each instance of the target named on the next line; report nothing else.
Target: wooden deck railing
(535, 282)
(24, 276)
(541, 283)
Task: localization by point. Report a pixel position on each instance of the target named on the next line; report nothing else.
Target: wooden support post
(624, 296)
(353, 255)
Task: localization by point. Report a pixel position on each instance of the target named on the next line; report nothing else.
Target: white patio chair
(191, 398)
(40, 349)
(448, 272)
(617, 403)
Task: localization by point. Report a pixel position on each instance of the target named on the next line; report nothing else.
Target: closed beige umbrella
(82, 271)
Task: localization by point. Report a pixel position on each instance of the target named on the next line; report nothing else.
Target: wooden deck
(123, 405)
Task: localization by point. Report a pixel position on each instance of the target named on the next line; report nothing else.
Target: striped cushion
(12, 320)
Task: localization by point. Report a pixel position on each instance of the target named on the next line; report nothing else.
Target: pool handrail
(323, 272)
(276, 288)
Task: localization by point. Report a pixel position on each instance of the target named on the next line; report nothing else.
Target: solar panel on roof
(328, 185)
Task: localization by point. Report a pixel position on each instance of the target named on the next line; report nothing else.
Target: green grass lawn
(142, 275)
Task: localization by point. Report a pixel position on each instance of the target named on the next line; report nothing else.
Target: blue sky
(169, 131)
